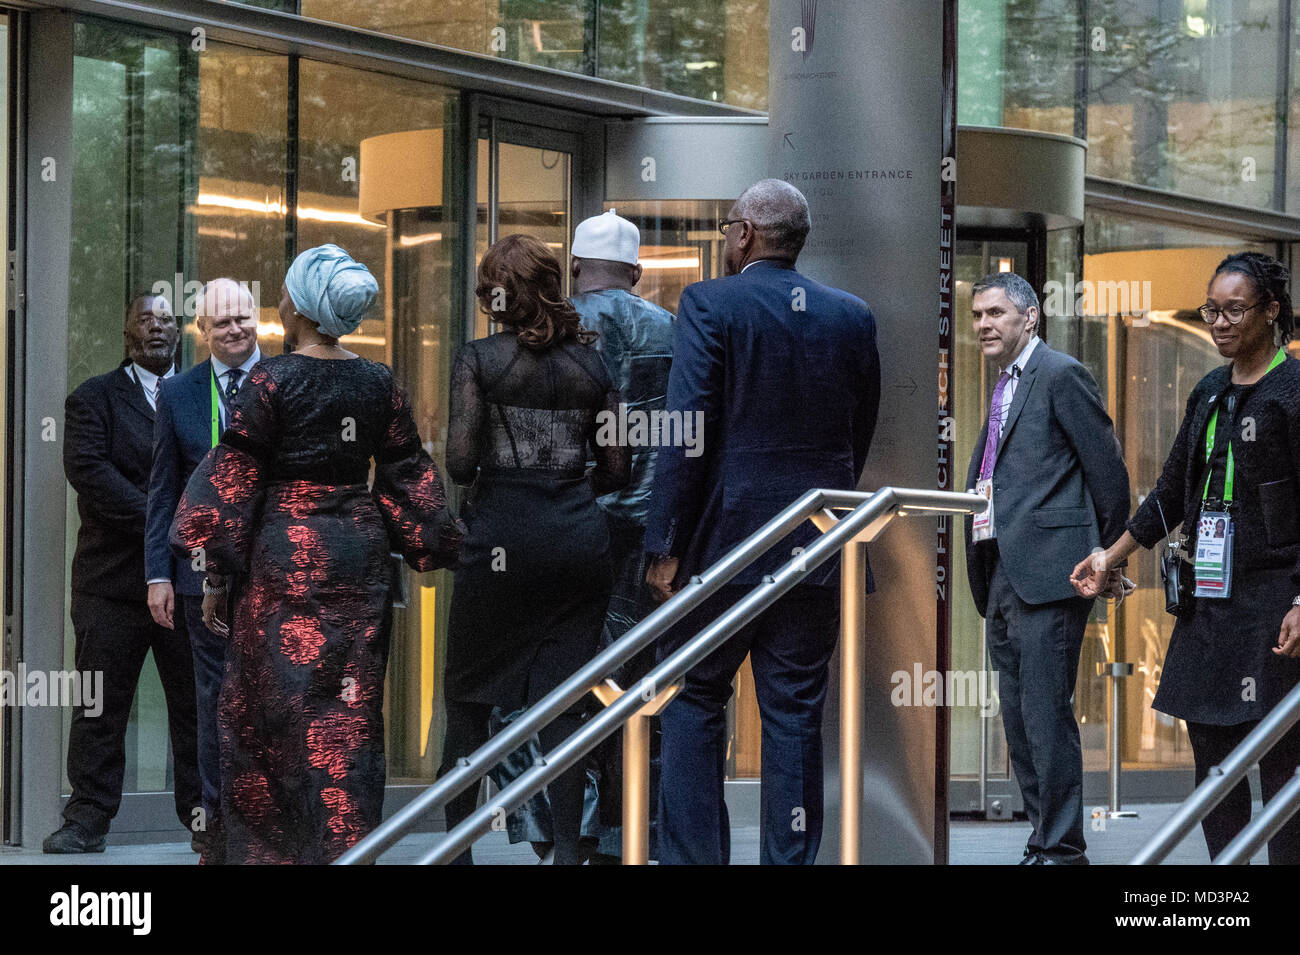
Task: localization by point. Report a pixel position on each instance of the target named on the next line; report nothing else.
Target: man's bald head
(227, 320)
(779, 213)
(224, 297)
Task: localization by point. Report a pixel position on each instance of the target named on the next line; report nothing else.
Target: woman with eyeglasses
(1235, 648)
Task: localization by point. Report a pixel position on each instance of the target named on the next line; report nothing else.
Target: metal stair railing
(869, 514)
(1221, 780)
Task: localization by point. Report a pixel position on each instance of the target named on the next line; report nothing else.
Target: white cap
(607, 236)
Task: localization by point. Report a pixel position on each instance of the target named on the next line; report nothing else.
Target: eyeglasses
(1233, 313)
(724, 223)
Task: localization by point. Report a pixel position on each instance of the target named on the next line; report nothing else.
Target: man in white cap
(636, 341)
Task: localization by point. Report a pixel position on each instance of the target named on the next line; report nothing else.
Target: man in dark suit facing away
(107, 451)
(784, 375)
(192, 413)
(1050, 463)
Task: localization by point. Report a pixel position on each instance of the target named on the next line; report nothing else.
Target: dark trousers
(1210, 747)
(1035, 650)
(209, 654)
(790, 646)
(467, 730)
(113, 637)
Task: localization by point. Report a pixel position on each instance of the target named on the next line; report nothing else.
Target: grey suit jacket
(1060, 487)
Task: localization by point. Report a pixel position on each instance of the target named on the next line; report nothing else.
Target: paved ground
(971, 843)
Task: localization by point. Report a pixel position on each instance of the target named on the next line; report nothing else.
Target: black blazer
(107, 450)
(1060, 486)
(789, 394)
(182, 437)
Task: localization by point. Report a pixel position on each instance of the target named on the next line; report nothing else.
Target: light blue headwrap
(331, 288)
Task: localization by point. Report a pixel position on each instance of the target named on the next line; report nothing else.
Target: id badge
(1214, 555)
(982, 528)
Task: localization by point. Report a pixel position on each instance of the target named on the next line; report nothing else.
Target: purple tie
(995, 428)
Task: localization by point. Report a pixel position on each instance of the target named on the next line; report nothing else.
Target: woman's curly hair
(520, 284)
(1271, 280)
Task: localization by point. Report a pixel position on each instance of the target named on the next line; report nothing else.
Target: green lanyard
(216, 399)
(1209, 442)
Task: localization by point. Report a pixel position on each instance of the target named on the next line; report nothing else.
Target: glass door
(132, 135)
(978, 744)
(982, 781)
(526, 185)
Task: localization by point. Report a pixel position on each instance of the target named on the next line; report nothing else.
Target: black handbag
(1176, 573)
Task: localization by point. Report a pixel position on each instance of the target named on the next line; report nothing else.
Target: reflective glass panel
(1159, 349)
(1183, 97)
(354, 124)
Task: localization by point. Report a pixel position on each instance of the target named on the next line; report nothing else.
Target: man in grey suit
(1050, 464)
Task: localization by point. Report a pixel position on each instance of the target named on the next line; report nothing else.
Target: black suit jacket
(107, 450)
(182, 437)
(787, 375)
(1060, 486)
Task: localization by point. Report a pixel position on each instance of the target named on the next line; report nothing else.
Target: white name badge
(1214, 555)
(982, 528)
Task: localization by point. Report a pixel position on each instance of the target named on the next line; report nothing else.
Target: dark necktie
(232, 383)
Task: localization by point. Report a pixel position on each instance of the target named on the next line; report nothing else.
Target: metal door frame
(10, 590)
(525, 124)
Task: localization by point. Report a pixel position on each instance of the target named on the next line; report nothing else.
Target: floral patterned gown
(283, 504)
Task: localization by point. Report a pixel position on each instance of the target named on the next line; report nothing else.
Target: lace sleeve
(613, 460)
(220, 510)
(467, 418)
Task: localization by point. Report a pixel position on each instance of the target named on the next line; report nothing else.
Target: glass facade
(1184, 97)
(714, 51)
(187, 168)
(1017, 64)
(1188, 96)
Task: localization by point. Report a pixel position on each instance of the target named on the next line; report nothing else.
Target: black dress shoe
(1080, 859)
(71, 839)
(1031, 858)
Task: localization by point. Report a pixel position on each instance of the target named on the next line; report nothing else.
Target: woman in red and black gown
(283, 516)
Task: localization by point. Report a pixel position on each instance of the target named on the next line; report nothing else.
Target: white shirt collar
(220, 368)
(147, 378)
(756, 261)
(1023, 358)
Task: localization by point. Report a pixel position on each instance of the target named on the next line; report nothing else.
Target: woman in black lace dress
(1231, 660)
(282, 512)
(534, 576)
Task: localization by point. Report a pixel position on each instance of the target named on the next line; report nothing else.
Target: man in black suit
(1049, 461)
(784, 376)
(193, 409)
(107, 450)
